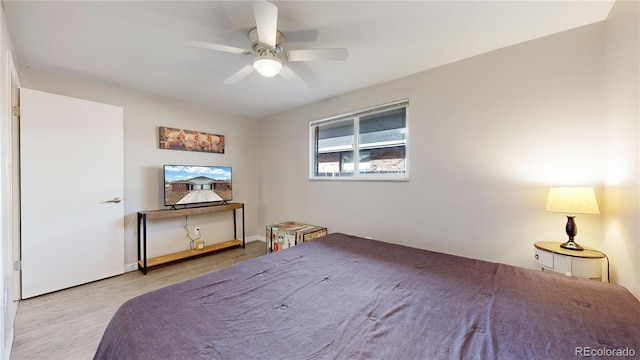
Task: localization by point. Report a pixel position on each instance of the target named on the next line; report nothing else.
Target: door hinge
(15, 111)
(17, 265)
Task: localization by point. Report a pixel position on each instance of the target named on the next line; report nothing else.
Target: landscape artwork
(190, 140)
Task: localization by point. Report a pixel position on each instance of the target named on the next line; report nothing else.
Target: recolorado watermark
(587, 351)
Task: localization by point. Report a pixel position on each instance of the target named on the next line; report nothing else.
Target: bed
(346, 297)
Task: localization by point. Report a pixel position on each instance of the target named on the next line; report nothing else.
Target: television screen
(196, 184)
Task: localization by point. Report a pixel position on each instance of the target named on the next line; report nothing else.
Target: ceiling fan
(270, 57)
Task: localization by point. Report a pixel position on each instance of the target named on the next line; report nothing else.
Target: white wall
(622, 180)
(487, 137)
(143, 162)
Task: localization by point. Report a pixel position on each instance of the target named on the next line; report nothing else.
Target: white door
(71, 161)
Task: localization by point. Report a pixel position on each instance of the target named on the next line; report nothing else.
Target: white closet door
(71, 159)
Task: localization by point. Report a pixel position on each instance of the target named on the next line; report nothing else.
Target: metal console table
(143, 216)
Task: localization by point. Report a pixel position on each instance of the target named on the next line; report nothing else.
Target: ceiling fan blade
(241, 74)
(318, 55)
(297, 36)
(218, 47)
(293, 78)
(266, 21)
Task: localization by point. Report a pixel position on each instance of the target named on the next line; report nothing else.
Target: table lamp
(572, 201)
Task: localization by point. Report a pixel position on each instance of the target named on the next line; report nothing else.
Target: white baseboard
(134, 266)
(131, 267)
(256, 237)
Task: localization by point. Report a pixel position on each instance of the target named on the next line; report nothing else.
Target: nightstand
(549, 256)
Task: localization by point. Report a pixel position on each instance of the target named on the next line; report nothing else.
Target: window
(378, 136)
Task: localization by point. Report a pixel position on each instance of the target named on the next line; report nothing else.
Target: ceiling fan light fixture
(268, 66)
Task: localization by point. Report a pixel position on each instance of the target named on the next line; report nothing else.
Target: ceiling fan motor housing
(265, 50)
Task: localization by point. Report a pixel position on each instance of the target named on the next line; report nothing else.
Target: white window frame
(356, 115)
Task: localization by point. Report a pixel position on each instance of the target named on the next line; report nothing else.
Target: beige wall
(143, 162)
(487, 137)
(622, 180)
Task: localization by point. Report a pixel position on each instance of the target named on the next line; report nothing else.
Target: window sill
(404, 178)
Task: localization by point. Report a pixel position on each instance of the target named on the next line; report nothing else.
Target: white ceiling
(140, 45)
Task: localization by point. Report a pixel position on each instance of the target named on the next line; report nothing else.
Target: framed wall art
(191, 140)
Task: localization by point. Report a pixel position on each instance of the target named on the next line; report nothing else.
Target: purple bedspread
(345, 297)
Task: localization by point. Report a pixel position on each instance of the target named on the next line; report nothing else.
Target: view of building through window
(379, 137)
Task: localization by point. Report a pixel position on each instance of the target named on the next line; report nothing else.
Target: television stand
(143, 216)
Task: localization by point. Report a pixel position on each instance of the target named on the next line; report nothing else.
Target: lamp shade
(572, 200)
(268, 66)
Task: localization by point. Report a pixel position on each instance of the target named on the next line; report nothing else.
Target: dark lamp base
(571, 245)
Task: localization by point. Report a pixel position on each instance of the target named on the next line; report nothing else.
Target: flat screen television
(197, 184)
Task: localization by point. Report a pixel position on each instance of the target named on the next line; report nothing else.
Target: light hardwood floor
(68, 324)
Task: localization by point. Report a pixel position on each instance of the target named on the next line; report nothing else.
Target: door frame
(13, 91)
(9, 194)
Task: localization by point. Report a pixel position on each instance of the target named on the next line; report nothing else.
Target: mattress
(346, 297)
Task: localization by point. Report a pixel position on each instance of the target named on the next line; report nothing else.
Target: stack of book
(290, 233)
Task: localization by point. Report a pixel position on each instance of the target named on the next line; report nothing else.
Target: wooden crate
(290, 233)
